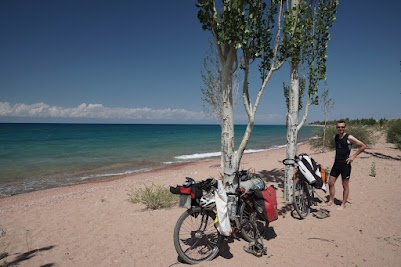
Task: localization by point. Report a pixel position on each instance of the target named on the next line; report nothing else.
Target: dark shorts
(341, 168)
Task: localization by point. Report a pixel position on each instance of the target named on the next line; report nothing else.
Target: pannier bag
(252, 184)
(312, 171)
(180, 190)
(188, 188)
(266, 204)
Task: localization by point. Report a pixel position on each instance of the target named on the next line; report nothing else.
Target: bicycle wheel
(248, 221)
(301, 199)
(196, 239)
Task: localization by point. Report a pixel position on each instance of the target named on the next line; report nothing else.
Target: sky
(104, 61)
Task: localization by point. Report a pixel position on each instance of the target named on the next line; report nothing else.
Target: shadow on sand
(28, 255)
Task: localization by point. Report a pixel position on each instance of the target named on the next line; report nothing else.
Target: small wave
(93, 176)
(249, 151)
(198, 156)
(218, 154)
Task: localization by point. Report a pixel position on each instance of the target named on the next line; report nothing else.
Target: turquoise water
(39, 156)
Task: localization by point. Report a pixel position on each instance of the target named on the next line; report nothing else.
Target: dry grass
(153, 197)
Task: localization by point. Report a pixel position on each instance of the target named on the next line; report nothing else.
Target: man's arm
(361, 148)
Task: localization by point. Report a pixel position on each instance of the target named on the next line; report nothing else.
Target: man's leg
(345, 193)
(332, 190)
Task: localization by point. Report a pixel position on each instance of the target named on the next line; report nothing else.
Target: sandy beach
(93, 224)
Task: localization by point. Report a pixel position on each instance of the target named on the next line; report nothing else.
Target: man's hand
(350, 159)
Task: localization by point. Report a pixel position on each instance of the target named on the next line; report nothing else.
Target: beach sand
(93, 224)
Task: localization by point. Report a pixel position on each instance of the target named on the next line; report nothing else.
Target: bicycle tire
(196, 239)
(248, 218)
(301, 199)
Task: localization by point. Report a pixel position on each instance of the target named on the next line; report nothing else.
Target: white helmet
(207, 202)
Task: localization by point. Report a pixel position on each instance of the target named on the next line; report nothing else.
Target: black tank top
(343, 149)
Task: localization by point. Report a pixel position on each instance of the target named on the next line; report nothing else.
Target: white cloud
(43, 112)
(95, 111)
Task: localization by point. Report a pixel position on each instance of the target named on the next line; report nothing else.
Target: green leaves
(248, 25)
(241, 24)
(315, 18)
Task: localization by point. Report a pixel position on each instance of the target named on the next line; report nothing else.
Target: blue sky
(140, 62)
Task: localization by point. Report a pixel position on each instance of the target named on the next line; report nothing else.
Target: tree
(213, 93)
(307, 47)
(328, 103)
(246, 29)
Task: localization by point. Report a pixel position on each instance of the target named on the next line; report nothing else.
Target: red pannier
(180, 190)
(188, 188)
(266, 204)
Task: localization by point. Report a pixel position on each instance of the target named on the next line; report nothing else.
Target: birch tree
(307, 46)
(212, 93)
(243, 31)
(328, 103)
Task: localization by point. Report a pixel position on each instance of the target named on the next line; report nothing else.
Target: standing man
(342, 162)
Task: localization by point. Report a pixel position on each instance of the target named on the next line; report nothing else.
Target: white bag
(223, 224)
(307, 166)
(309, 169)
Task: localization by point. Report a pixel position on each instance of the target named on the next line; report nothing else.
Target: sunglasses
(340, 127)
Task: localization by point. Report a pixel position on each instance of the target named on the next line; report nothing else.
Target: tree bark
(230, 161)
(292, 131)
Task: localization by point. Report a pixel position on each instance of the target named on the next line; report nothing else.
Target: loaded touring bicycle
(308, 175)
(211, 213)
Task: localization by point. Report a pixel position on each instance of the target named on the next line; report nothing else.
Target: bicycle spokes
(195, 237)
(302, 199)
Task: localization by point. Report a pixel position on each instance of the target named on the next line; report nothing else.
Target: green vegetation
(363, 129)
(327, 171)
(349, 122)
(363, 133)
(154, 197)
(394, 132)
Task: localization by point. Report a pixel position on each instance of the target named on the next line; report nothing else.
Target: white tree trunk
(292, 131)
(230, 160)
(229, 155)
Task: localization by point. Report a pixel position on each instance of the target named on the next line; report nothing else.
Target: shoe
(255, 249)
(322, 213)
